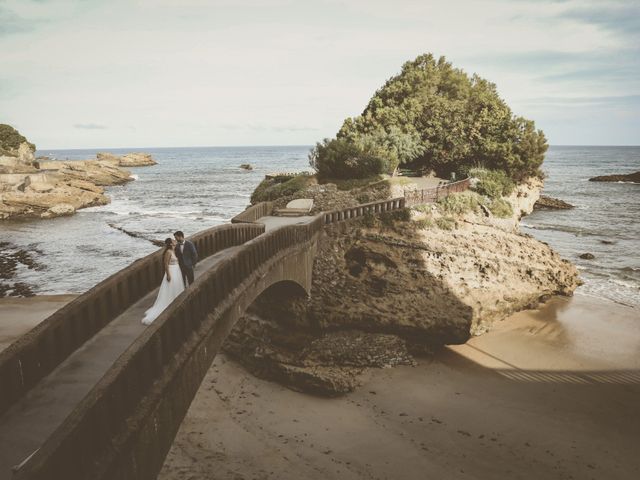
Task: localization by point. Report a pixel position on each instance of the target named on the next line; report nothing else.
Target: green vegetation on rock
(10, 139)
(492, 183)
(461, 203)
(273, 188)
(446, 223)
(433, 116)
(343, 159)
(457, 204)
(501, 208)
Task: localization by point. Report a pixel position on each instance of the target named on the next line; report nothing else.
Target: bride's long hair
(167, 244)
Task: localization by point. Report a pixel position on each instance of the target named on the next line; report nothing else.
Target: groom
(187, 257)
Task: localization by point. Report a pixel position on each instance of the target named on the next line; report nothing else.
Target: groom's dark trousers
(187, 257)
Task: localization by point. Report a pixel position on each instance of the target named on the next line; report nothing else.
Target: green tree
(10, 139)
(434, 116)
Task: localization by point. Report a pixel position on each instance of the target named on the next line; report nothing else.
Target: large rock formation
(137, 159)
(45, 189)
(409, 277)
(98, 172)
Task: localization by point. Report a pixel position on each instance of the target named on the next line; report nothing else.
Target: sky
(170, 73)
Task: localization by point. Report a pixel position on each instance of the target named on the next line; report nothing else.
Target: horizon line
(288, 145)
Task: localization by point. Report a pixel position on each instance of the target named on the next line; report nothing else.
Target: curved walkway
(88, 395)
(25, 426)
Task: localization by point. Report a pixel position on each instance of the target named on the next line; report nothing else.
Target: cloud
(90, 126)
(207, 72)
(621, 18)
(268, 128)
(610, 101)
(11, 23)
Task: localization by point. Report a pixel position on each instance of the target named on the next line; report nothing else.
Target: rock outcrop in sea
(405, 283)
(43, 188)
(549, 203)
(138, 159)
(628, 177)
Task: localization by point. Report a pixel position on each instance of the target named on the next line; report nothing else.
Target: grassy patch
(501, 208)
(423, 208)
(445, 223)
(423, 223)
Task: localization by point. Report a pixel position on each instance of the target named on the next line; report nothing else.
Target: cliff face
(403, 279)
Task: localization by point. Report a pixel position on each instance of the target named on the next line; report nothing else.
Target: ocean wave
(625, 293)
(134, 176)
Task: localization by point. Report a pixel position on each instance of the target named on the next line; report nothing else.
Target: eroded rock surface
(401, 282)
(43, 188)
(325, 363)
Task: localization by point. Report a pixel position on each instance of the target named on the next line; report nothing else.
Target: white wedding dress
(168, 291)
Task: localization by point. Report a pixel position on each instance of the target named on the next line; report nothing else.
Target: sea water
(196, 188)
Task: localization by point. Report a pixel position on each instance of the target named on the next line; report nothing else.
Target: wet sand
(548, 394)
(19, 315)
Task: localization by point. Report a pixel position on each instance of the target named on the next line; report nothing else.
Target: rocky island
(405, 283)
(43, 188)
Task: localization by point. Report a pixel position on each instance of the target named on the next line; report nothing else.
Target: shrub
(401, 215)
(278, 187)
(461, 203)
(369, 220)
(445, 223)
(10, 139)
(343, 159)
(492, 183)
(501, 208)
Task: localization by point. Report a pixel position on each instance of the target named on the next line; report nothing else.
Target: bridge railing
(102, 424)
(254, 212)
(430, 195)
(37, 353)
(362, 210)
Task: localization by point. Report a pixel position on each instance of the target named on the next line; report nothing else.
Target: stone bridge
(90, 393)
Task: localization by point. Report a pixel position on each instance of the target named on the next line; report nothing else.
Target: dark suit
(187, 257)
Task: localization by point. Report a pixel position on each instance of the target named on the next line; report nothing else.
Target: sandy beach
(547, 394)
(18, 315)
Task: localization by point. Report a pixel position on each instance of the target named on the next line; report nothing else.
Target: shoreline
(18, 315)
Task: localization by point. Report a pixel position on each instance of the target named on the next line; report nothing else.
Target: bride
(172, 284)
